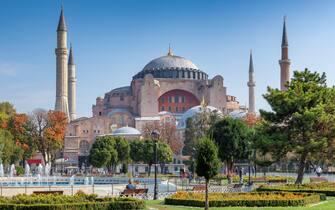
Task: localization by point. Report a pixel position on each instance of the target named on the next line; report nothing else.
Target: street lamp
(155, 136)
(193, 162)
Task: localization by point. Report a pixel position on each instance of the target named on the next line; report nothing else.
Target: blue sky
(113, 40)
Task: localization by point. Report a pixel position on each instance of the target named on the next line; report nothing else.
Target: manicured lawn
(326, 205)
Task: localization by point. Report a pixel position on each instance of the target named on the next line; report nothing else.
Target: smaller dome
(126, 131)
(193, 112)
(237, 114)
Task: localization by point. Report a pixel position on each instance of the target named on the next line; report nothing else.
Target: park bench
(199, 188)
(318, 179)
(48, 192)
(132, 192)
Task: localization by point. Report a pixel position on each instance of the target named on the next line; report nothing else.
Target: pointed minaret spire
(72, 86)
(71, 61)
(251, 85)
(170, 51)
(284, 41)
(61, 22)
(284, 62)
(251, 65)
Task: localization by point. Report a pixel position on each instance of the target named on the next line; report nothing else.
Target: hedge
(308, 198)
(324, 188)
(76, 206)
(63, 202)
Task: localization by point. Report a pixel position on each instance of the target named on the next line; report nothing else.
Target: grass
(326, 205)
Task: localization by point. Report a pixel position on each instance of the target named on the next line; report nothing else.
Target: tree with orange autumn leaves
(48, 131)
(15, 140)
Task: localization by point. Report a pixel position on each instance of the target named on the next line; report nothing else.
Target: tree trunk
(230, 171)
(162, 168)
(206, 196)
(301, 169)
(149, 171)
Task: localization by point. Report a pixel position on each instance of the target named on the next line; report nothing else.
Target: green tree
(103, 153)
(233, 139)
(137, 151)
(143, 151)
(7, 109)
(123, 152)
(6, 147)
(190, 137)
(197, 127)
(165, 155)
(305, 113)
(207, 162)
(267, 145)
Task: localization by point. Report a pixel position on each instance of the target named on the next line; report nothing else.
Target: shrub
(19, 170)
(326, 188)
(244, 199)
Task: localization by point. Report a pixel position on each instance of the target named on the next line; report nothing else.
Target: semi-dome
(193, 112)
(126, 131)
(238, 114)
(172, 66)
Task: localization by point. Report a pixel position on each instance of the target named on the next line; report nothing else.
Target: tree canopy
(233, 139)
(302, 118)
(207, 161)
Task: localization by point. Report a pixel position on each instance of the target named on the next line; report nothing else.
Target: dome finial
(170, 51)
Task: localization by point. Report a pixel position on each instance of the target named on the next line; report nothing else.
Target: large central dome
(170, 61)
(172, 66)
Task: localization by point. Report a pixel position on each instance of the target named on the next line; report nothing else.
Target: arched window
(84, 147)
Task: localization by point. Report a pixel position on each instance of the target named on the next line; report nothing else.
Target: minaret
(72, 86)
(285, 61)
(61, 67)
(251, 85)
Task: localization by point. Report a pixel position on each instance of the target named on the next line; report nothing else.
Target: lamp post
(193, 163)
(155, 136)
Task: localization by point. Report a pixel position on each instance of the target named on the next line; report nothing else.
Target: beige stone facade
(169, 85)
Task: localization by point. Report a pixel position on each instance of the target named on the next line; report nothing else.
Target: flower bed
(327, 188)
(244, 199)
(62, 202)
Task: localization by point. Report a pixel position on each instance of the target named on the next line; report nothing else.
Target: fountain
(12, 170)
(71, 181)
(1, 170)
(86, 181)
(92, 180)
(54, 180)
(47, 169)
(27, 170)
(39, 169)
(39, 179)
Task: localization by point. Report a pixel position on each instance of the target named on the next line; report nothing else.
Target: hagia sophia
(169, 86)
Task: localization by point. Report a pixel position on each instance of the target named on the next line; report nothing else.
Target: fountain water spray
(12, 170)
(27, 170)
(2, 174)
